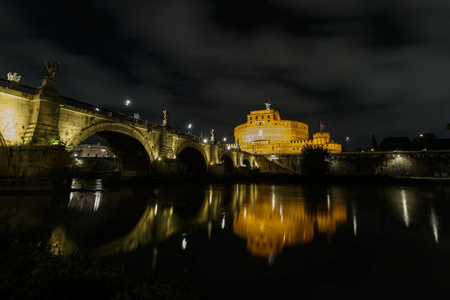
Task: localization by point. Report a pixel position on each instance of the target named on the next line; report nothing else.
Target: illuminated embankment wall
(266, 133)
(405, 163)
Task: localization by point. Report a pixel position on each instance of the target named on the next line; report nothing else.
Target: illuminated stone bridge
(38, 124)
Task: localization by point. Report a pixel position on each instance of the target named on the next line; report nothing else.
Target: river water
(260, 240)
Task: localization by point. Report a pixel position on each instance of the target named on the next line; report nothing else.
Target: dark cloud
(361, 67)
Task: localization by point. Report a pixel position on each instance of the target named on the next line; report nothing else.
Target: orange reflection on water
(269, 226)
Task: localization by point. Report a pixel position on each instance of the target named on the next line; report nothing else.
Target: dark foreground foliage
(32, 269)
(315, 162)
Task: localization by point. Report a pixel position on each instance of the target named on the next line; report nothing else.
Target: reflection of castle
(268, 227)
(266, 133)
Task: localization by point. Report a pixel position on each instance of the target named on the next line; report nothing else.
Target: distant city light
(224, 139)
(205, 141)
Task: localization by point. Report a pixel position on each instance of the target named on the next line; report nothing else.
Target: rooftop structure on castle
(266, 133)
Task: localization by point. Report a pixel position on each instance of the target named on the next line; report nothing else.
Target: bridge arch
(132, 148)
(193, 158)
(227, 160)
(246, 160)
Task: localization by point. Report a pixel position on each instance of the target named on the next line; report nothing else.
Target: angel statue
(52, 69)
(212, 135)
(13, 77)
(166, 114)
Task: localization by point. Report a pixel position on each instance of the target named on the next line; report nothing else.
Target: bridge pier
(43, 127)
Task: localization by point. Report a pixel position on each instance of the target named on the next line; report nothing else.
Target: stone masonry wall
(396, 164)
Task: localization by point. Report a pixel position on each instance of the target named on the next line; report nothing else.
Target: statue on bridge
(212, 135)
(166, 118)
(52, 69)
(13, 77)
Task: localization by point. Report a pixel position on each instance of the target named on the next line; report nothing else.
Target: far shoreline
(8, 185)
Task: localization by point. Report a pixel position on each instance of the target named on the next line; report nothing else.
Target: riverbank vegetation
(31, 268)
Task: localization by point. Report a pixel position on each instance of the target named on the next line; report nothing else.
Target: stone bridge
(37, 124)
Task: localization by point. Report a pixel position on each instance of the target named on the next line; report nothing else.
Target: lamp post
(189, 128)
(423, 142)
(127, 102)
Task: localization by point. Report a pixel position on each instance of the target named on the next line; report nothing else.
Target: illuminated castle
(266, 133)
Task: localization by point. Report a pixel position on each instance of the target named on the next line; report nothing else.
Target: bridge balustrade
(20, 87)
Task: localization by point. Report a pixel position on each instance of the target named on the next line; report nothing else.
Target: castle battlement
(266, 133)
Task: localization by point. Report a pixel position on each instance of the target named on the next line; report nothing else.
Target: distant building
(93, 150)
(266, 133)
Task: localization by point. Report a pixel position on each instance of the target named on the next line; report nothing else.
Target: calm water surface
(260, 240)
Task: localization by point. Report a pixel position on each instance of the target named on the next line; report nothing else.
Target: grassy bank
(33, 269)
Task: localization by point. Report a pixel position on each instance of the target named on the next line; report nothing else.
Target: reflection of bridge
(268, 217)
(38, 123)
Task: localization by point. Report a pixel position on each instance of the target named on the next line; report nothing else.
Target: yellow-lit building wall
(266, 133)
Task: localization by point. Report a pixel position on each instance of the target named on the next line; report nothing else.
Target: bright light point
(224, 139)
(398, 155)
(159, 158)
(127, 102)
(223, 222)
(205, 141)
(228, 147)
(184, 244)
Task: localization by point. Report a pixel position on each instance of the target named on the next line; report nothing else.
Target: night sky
(361, 67)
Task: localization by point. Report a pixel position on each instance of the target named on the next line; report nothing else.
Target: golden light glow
(265, 133)
(270, 225)
(9, 125)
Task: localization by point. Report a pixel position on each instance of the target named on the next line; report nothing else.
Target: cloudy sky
(361, 67)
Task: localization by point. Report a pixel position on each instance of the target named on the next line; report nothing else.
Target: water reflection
(278, 219)
(121, 218)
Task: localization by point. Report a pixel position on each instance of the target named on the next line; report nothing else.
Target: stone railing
(17, 86)
(105, 112)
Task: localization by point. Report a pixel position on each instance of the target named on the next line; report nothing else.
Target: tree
(315, 162)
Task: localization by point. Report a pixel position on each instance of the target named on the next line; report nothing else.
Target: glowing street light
(423, 142)
(127, 103)
(224, 139)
